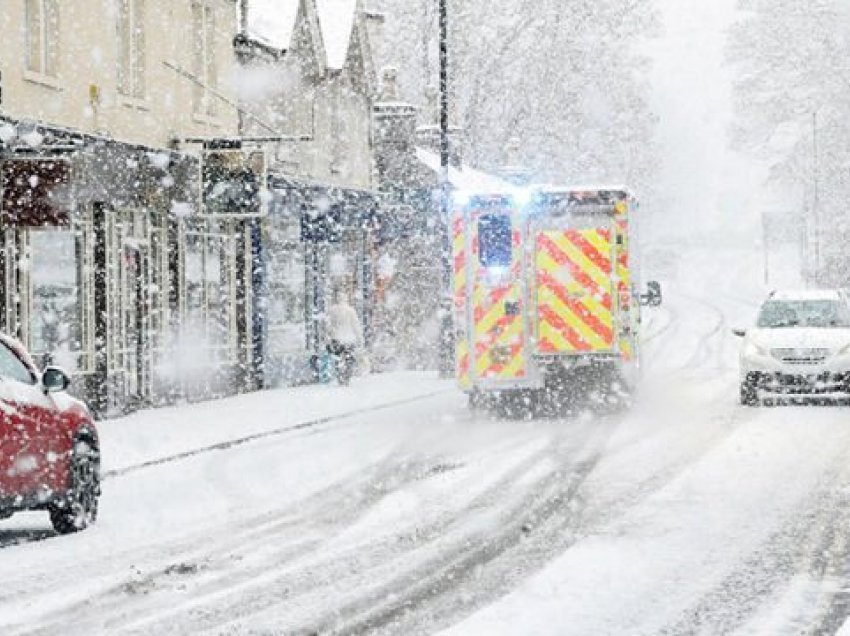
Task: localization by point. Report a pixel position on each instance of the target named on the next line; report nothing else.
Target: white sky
(704, 186)
(273, 20)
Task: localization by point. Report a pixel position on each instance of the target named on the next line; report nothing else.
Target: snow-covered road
(388, 507)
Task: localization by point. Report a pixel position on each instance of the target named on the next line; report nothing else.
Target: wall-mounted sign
(35, 191)
(233, 183)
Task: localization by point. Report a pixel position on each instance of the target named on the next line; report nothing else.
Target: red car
(49, 452)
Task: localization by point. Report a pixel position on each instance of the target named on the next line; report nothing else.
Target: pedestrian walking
(346, 335)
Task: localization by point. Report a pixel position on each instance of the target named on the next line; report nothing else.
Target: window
(495, 244)
(131, 48)
(204, 59)
(42, 36)
(11, 366)
(804, 313)
(210, 322)
(55, 316)
(286, 288)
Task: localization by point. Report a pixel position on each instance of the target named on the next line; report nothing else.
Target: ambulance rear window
(495, 240)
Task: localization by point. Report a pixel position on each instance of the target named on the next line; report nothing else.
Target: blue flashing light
(522, 197)
(462, 198)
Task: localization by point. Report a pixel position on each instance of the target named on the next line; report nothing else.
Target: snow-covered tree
(556, 85)
(793, 96)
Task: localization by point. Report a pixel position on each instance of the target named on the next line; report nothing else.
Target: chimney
(375, 25)
(394, 136)
(389, 84)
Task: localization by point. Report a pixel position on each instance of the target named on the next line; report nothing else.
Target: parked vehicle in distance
(49, 451)
(799, 348)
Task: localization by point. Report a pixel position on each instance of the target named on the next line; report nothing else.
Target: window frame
(204, 59)
(132, 49)
(491, 254)
(33, 378)
(41, 34)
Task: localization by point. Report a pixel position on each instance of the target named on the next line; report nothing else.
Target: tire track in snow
(435, 602)
(387, 609)
(557, 534)
(447, 559)
(313, 527)
(335, 497)
(813, 543)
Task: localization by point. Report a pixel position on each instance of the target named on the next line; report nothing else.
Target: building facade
(110, 265)
(311, 94)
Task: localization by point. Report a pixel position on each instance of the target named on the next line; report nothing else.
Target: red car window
(12, 367)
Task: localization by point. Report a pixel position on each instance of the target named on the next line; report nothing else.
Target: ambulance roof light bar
(521, 197)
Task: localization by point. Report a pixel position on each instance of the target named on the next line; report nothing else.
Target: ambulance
(545, 292)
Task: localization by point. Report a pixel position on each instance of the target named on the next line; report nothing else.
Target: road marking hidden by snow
(258, 436)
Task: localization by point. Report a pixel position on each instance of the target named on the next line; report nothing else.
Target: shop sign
(35, 191)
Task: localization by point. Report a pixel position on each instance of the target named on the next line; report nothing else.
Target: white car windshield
(803, 313)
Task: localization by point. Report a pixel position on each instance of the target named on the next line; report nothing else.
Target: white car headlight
(752, 349)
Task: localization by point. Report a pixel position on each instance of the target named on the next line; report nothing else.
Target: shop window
(286, 289)
(58, 323)
(210, 317)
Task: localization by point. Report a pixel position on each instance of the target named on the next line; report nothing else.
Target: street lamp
(444, 106)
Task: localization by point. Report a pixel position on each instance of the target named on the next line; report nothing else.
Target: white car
(800, 347)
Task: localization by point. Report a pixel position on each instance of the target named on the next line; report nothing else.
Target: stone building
(109, 264)
(309, 90)
(411, 315)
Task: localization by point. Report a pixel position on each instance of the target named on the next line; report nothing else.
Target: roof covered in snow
(465, 178)
(336, 20)
(273, 21)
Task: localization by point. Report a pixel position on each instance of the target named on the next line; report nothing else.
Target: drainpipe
(243, 17)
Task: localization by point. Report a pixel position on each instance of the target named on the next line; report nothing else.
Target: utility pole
(446, 348)
(444, 109)
(764, 246)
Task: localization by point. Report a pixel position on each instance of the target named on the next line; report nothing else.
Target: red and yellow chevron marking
(459, 261)
(462, 363)
(574, 291)
(624, 288)
(499, 335)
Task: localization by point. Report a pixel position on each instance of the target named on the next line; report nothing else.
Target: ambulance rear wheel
(515, 404)
(476, 399)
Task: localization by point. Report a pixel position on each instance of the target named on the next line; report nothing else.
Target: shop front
(109, 271)
(317, 240)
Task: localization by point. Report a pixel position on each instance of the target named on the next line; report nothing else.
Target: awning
(325, 211)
